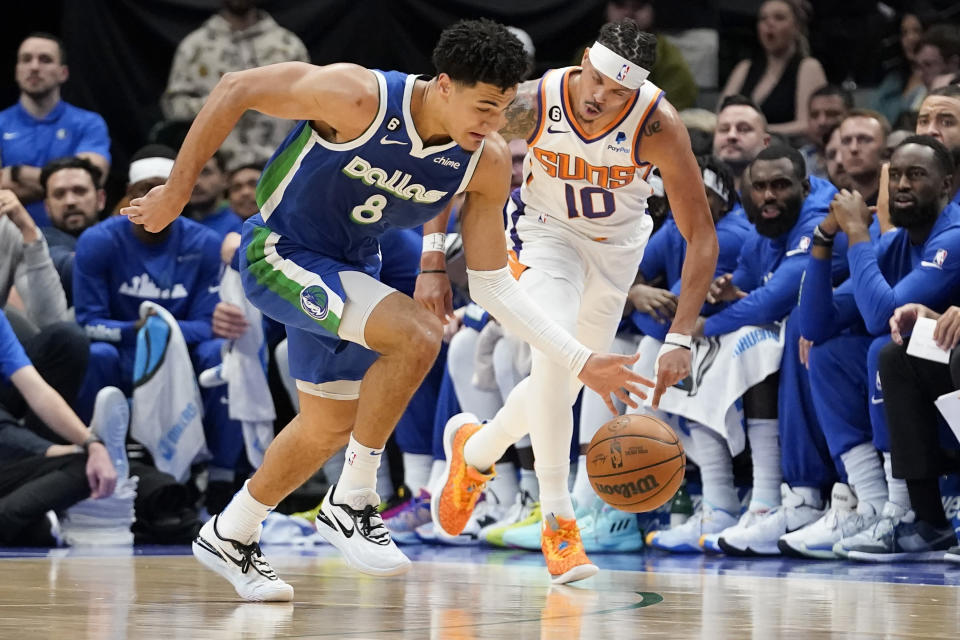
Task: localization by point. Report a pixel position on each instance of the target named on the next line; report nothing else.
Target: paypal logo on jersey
(397, 183)
(620, 139)
(621, 136)
(313, 301)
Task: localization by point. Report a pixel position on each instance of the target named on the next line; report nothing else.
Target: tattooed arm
(521, 115)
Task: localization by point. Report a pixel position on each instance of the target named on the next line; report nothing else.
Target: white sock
(716, 470)
(583, 492)
(436, 471)
(242, 516)
(810, 495)
(416, 471)
(359, 470)
(765, 446)
(528, 483)
(897, 487)
(865, 474)
(488, 445)
(554, 496)
(504, 485)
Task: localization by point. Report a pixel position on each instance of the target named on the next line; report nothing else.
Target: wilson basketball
(635, 463)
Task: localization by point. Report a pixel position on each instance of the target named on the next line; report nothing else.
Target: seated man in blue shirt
(119, 265)
(242, 189)
(37, 475)
(206, 202)
(939, 117)
(41, 127)
(918, 262)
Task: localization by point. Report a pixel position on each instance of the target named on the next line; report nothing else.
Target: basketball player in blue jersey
(577, 232)
(373, 150)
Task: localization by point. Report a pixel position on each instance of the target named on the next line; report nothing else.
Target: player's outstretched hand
(433, 292)
(672, 367)
(155, 210)
(903, 319)
(608, 373)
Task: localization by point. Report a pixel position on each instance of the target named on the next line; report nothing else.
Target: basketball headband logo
(616, 67)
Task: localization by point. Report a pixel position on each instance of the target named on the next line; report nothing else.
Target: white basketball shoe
(243, 565)
(817, 540)
(357, 530)
(763, 531)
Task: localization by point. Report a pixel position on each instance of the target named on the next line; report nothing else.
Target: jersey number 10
(594, 202)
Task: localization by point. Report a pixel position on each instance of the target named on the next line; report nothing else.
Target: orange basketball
(635, 463)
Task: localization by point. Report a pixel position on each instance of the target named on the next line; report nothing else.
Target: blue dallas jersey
(883, 276)
(337, 199)
(771, 269)
(12, 356)
(114, 273)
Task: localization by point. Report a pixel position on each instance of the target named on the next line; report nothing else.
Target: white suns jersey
(593, 183)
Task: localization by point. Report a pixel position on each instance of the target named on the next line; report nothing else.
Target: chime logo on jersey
(566, 167)
(313, 300)
(397, 183)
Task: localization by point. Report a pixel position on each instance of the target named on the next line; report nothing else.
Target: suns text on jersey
(566, 167)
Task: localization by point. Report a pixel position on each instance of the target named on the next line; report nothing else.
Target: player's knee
(423, 341)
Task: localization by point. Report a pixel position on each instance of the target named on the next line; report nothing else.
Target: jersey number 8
(370, 211)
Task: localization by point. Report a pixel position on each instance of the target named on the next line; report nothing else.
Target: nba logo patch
(940, 257)
(353, 456)
(804, 244)
(624, 70)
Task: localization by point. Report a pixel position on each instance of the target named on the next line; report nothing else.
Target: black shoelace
(371, 525)
(253, 557)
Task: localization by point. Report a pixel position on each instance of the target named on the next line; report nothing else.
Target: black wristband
(821, 239)
(434, 271)
(15, 173)
(90, 440)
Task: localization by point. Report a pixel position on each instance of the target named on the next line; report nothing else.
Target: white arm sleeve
(498, 293)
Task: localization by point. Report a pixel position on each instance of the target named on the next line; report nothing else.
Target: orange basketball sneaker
(563, 550)
(462, 484)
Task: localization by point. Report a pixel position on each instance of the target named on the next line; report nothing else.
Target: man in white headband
(577, 231)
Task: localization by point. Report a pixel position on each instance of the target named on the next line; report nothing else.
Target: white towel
(723, 368)
(244, 368)
(167, 413)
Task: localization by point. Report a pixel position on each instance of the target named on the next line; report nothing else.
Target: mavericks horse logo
(313, 301)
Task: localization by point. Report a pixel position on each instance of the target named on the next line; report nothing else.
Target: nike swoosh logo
(552, 130)
(376, 453)
(214, 289)
(876, 400)
(9, 136)
(330, 521)
(386, 140)
(924, 263)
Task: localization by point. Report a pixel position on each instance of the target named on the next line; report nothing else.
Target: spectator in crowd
(239, 36)
(940, 118)
(919, 451)
(741, 134)
(671, 72)
(782, 77)
(828, 106)
(849, 326)
(37, 475)
(118, 266)
(902, 89)
(863, 139)
(938, 53)
(74, 203)
(834, 161)
(25, 264)
(41, 127)
(242, 189)
(206, 204)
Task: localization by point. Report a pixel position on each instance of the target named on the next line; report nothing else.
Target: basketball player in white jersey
(577, 229)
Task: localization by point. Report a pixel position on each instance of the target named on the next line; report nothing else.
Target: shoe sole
(449, 435)
(112, 432)
(579, 572)
(952, 557)
(207, 559)
(353, 561)
(730, 550)
(804, 552)
(926, 556)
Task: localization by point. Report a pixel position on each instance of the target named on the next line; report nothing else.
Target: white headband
(616, 67)
(712, 181)
(149, 168)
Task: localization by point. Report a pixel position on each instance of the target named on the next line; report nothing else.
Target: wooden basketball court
(467, 594)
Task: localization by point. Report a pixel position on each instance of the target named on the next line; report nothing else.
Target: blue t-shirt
(337, 199)
(223, 222)
(65, 131)
(884, 275)
(114, 273)
(12, 356)
(771, 269)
